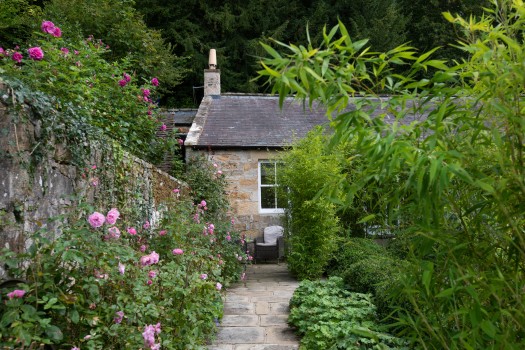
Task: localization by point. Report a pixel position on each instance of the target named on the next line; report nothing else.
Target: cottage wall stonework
(241, 170)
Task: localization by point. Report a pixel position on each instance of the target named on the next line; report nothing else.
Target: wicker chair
(271, 245)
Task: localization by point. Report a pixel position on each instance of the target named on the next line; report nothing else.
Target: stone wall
(32, 191)
(241, 170)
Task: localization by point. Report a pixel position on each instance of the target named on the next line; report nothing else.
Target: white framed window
(269, 202)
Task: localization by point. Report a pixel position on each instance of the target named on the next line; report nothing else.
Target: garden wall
(34, 189)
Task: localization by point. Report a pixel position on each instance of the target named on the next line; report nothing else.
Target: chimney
(212, 76)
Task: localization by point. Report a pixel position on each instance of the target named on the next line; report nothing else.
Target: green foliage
(123, 29)
(329, 317)
(17, 18)
(207, 183)
(86, 90)
(455, 171)
(311, 222)
(77, 282)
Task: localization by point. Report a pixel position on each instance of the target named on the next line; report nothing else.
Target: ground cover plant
(330, 317)
(105, 284)
(452, 176)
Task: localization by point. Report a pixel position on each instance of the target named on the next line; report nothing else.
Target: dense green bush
(329, 317)
(353, 250)
(104, 285)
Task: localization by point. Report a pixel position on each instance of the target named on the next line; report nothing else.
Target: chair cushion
(271, 233)
(266, 244)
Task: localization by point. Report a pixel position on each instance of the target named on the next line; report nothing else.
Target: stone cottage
(242, 134)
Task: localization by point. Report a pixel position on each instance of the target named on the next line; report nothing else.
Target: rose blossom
(149, 336)
(203, 276)
(112, 216)
(218, 286)
(65, 50)
(152, 274)
(155, 82)
(163, 127)
(177, 251)
(96, 219)
(146, 225)
(17, 57)
(150, 259)
(143, 248)
(114, 232)
(48, 27)
(122, 82)
(176, 190)
(163, 233)
(127, 77)
(36, 53)
(146, 92)
(132, 231)
(17, 293)
(57, 33)
(203, 203)
(119, 316)
(2, 51)
(180, 141)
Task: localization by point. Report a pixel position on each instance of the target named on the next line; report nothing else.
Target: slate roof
(252, 121)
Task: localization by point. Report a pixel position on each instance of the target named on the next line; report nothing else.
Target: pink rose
(176, 190)
(65, 50)
(228, 238)
(152, 274)
(127, 77)
(96, 219)
(112, 216)
(146, 225)
(146, 92)
(122, 82)
(17, 293)
(2, 51)
(17, 57)
(203, 203)
(177, 251)
(150, 259)
(180, 141)
(203, 276)
(119, 316)
(163, 127)
(163, 233)
(48, 27)
(36, 53)
(57, 33)
(218, 286)
(155, 82)
(114, 232)
(143, 248)
(132, 231)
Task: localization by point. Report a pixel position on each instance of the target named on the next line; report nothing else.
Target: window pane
(267, 197)
(267, 173)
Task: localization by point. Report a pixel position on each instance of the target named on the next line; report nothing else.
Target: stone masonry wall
(241, 170)
(32, 192)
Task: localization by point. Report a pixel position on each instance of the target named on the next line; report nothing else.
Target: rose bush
(87, 291)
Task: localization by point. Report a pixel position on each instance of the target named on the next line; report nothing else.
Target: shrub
(351, 251)
(311, 222)
(95, 287)
(329, 317)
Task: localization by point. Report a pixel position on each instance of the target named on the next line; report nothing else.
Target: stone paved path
(255, 312)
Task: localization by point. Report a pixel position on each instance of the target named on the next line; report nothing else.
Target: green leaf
(367, 218)
(489, 328)
(54, 333)
(50, 303)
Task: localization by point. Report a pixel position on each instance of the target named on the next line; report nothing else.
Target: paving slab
(256, 311)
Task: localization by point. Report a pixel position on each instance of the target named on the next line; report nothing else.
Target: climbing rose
(96, 219)
(152, 274)
(155, 82)
(112, 216)
(146, 92)
(146, 225)
(177, 251)
(204, 276)
(127, 77)
(17, 293)
(2, 51)
(17, 57)
(48, 27)
(143, 248)
(180, 141)
(203, 203)
(149, 336)
(65, 50)
(218, 286)
(122, 82)
(163, 233)
(163, 127)
(132, 231)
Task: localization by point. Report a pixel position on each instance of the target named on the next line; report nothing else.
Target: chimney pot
(212, 60)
